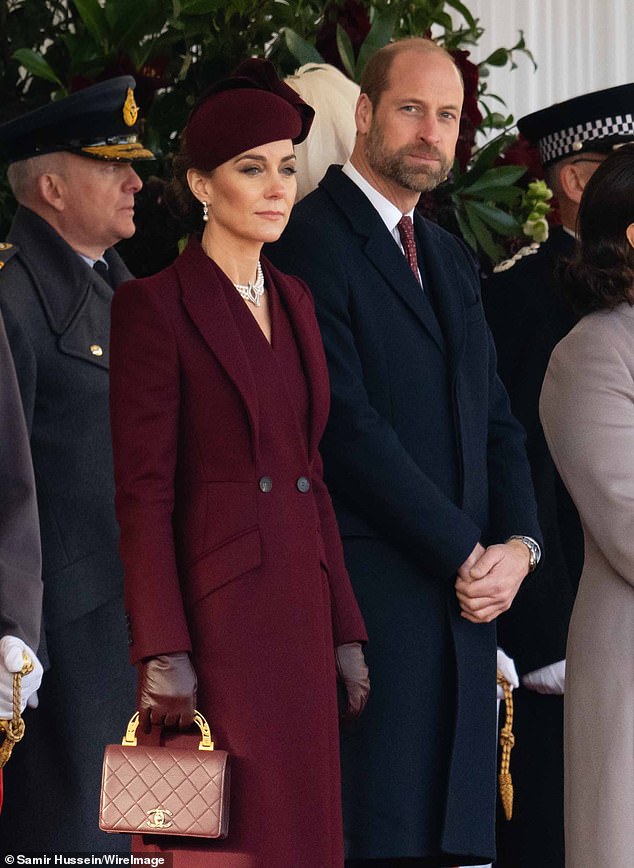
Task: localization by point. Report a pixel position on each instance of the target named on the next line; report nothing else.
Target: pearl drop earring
(205, 212)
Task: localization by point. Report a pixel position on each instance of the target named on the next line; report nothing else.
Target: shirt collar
(388, 212)
(91, 262)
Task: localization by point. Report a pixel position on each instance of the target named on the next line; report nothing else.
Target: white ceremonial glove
(508, 670)
(11, 661)
(548, 679)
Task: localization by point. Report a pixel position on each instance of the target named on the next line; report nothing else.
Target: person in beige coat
(587, 411)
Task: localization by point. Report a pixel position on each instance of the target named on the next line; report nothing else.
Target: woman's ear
(629, 232)
(199, 184)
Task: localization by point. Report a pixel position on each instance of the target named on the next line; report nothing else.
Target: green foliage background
(176, 48)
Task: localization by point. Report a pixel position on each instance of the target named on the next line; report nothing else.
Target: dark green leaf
(201, 7)
(346, 52)
(502, 176)
(302, 51)
(444, 20)
(498, 58)
(483, 236)
(484, 159)
(379, 35)
(496, 121)
(497, 219)
(521, 46)
(94, 17)
(505, 195)
(462, 9)
(36, 65)
(465, 229)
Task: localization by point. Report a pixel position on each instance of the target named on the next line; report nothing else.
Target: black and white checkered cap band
(565, 142)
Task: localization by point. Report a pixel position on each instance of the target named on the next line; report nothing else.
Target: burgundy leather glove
(352, 672)
(167, 691)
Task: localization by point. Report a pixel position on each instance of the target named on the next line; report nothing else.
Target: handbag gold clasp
(158, 818)
(206, 743)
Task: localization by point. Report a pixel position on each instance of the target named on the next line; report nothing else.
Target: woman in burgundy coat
(233, 565)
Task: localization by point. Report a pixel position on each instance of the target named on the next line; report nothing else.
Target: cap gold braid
(125, 151)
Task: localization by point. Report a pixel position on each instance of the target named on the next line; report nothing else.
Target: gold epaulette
(521, 253)
(6, 252)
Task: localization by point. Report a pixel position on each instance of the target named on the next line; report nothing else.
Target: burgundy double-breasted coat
(231, 549)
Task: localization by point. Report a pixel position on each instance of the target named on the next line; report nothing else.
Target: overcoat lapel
(381, 248)
(301, 314)
(75, 299)
(441, 273)
(201, 285)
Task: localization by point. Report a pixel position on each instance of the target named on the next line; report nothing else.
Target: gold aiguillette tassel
(507, 741)
(14, 729)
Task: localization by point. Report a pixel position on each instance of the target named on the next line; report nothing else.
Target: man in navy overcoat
(426, 466)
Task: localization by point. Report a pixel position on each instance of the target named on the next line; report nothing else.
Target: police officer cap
(99, 122)
(596, 122)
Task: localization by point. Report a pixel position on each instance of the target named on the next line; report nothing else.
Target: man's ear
(573, 178)
(629, 233)
(363, 113)
(52, 190)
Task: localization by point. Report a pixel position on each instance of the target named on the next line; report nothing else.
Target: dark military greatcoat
(20, 559)
(57, 315)
(528, 316)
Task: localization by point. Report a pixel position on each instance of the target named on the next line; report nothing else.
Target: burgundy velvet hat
(251, 108)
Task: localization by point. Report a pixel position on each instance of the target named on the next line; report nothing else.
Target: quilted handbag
(162, 790)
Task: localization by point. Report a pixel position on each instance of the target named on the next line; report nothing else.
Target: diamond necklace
(253, 292)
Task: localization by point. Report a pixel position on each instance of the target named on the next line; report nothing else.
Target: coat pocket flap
(226, 561)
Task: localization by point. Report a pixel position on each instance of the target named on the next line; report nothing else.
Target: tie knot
(406, 226)
(103, 271)
(406, 231)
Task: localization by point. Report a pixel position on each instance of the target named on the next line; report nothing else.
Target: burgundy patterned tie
(406, 231)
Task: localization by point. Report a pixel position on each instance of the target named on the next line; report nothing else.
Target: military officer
(528, 316)
(20, 556)
(70, 170)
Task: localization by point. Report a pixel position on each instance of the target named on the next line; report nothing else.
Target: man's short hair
(376, 75)
(23, 174)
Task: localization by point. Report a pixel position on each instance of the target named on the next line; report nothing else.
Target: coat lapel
(75, 299)
(204, 300)
(299, 307)
(380, 248)
(441, 274)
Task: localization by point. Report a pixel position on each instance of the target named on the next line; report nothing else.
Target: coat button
(266, 484)
(96, 350)
(303, 484)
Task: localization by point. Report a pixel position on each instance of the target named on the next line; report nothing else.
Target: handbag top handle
(206, 743)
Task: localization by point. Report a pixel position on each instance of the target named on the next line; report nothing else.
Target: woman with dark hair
(237, 595)
(587, 410)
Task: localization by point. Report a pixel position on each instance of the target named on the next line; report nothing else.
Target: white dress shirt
(388, 212)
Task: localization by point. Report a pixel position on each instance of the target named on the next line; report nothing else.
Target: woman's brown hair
(601, 274)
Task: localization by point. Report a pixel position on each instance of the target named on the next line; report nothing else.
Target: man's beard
(393, 165)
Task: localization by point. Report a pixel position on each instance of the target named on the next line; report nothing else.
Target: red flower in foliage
(353, 17)
(522, 153)
(148, 79)
(471, 117)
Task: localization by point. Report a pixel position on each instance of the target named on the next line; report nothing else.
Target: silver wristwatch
(534, 550)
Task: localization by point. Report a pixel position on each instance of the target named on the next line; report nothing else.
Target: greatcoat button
(303, 484)
(96, 350)
(266, 484)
